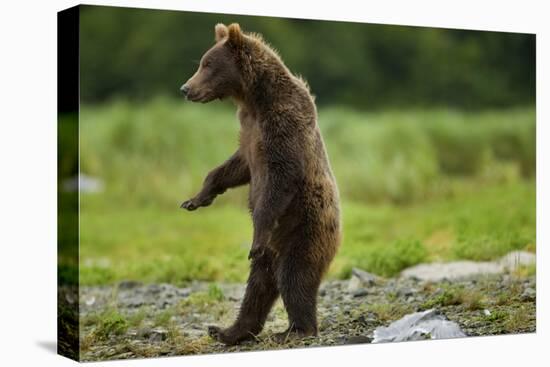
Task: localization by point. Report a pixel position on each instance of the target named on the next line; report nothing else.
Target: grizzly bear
(293, 198)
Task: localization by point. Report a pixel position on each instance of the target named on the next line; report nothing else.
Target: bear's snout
(184, 90)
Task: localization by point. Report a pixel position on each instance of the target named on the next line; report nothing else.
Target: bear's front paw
(189, 205)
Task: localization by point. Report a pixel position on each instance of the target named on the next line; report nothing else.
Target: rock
(529, 294)
(406, 292)
(359, 280)
(154, 288)
(358, 339)
(517, 258)
(361, 292)
(132, 302)
(354, 284)
(453, 270)
(460, 269)
(158, 335)
(418, 326)
(487, 312)
(365, 277)
(183, 292)
(143, 333)
(163, 304)
(368, 320)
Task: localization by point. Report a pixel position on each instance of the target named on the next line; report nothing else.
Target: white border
(28, 174)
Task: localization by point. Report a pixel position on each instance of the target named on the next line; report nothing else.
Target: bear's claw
(189, 205)
(214, 332)
(230, 336)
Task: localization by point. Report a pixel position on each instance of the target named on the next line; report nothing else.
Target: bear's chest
(251, 145)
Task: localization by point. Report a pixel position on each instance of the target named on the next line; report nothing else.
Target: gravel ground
(134, 320)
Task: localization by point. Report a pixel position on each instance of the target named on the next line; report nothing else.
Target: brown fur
(293, 196)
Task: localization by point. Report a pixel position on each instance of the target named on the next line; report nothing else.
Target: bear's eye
(205, 64)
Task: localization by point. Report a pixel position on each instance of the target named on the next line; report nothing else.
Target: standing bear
(293, 196)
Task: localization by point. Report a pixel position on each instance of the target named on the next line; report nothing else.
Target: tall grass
(159, 153)
(404, 156)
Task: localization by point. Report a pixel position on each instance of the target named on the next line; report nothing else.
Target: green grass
(108, 323)
(416, 186)
(210, 301)
(456, 295)
(162, 245)
(213, 243)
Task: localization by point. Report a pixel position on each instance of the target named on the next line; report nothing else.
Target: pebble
(133, 302)
(406, 292)
(354, 284)
(360, 280)
(361, 292)
(528, 294)
(365, 277)
(183, 292)
(158, 335)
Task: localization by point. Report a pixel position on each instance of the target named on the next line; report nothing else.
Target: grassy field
(416, 186)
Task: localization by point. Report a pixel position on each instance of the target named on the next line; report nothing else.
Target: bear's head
(219, 74)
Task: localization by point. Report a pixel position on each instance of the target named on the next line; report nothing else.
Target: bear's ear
(236, 37)
(221, 31)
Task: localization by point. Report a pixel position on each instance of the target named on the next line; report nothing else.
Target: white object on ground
(418, 326)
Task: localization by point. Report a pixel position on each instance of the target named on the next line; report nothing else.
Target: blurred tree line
(138, 53)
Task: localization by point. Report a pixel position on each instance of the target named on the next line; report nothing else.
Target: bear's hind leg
(298, 284)
(261, 293)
